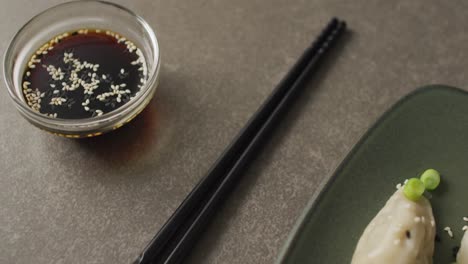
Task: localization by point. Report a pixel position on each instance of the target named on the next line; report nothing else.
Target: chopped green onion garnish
(431, 179)
(414, 189)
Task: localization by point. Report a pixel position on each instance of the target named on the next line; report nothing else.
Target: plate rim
(327, 182)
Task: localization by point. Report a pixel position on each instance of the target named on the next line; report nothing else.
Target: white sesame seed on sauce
(465, 219)
(449, 231)
(464, 228)
(432, 223)
(122, 71)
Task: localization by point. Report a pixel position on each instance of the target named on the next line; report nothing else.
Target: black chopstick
(178, 235)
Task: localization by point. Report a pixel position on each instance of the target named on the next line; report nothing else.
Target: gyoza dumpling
(462, 257)
(403, 232)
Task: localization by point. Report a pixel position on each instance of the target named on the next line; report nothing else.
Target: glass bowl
(74, 16)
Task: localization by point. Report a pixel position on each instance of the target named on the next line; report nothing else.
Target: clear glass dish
(73, 16)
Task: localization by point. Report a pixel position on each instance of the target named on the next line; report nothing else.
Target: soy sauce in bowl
(83, 74)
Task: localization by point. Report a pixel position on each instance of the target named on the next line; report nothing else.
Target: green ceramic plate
(426, 129)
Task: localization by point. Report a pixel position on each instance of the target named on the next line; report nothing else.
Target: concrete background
(101, 200)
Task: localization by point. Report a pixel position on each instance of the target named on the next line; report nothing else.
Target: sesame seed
(465, 228)
(465, 219)
(449, 231)
(417, 219)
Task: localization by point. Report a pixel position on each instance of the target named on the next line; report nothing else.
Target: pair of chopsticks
(179, 234)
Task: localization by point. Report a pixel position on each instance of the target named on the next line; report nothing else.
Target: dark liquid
(82, 75)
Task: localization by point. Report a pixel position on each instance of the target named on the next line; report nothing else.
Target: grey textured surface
(101, 200)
